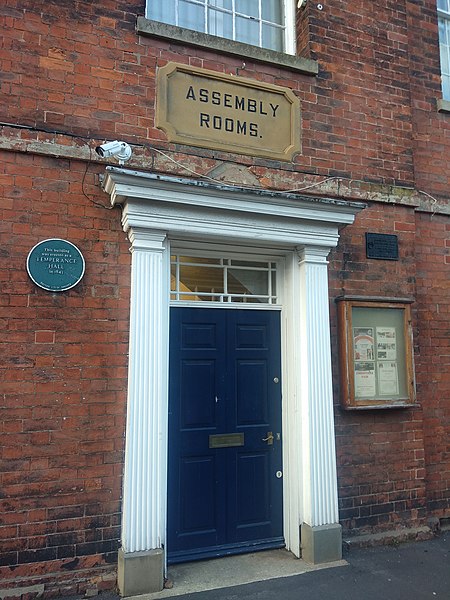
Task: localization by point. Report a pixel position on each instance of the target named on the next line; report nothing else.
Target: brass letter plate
(226, 440)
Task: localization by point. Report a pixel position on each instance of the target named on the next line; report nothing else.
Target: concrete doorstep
(232, 571)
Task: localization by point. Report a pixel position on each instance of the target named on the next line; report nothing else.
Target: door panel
(251, 393)
(198, 473)
(252, 474)
(198, 381)
(223, 500)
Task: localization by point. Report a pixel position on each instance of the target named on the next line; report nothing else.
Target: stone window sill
(305, 66)
(443, 106)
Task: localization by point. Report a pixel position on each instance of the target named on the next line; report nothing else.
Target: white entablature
(191, 209)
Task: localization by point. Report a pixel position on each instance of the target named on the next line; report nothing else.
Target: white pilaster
(144, 488)
(320, 505)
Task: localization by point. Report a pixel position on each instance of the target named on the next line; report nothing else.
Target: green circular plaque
(55, 265)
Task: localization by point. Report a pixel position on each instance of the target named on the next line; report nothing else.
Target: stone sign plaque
(213, 110)
(55, 265)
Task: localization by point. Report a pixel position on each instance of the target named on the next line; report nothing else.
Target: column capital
(313, 254)
(146, 239)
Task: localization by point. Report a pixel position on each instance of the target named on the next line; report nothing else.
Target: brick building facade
(374, 157)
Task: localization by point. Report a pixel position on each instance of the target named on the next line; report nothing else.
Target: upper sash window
(264, 23)
(444, 44)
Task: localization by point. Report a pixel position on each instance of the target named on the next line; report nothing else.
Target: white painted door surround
(158, 211)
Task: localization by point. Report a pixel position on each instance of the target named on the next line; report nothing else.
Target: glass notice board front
(375, 346)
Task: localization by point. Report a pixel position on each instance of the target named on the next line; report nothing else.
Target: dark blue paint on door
(224, 378)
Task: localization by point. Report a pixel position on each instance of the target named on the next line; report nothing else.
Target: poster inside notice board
(375, 356)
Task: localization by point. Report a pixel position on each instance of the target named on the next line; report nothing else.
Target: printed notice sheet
(365, 384)
(386, 343)
(363, 343)
(388, 378)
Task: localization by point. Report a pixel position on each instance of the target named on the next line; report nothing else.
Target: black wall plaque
(382, 246)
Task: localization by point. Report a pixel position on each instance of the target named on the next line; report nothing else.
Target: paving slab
(408, 571)
(231, 571)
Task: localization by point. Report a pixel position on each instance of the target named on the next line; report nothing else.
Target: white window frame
(225, 298)
(289, 20)
(444, 16)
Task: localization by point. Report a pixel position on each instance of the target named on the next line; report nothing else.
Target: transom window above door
(222, 280)
(264, 23)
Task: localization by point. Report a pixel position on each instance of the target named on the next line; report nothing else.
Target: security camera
(121, 150)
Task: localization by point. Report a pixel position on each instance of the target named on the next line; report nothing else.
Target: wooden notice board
(375, 348)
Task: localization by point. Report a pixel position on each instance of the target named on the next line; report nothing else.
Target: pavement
(408, 571)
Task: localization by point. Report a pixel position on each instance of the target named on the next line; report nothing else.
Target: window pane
(220, 24)
(161, 11)
(442, 4)
(191, 16)
(248, 7)
(227, 4)
(274, 283)
(242, 281)
(201, 279)
(443, 31)
(272, 10)
(272, 37)
(247, 263)
(247, 31)
(198, 260)
(446, 87)
(249, 300)
(444, 39)
(445, 68)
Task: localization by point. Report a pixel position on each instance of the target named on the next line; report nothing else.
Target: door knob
(268, 439)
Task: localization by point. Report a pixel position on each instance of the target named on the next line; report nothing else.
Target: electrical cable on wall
(240, 185)
(339, 179)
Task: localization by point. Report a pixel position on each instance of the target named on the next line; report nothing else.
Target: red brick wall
(433, 354)
(394, 466)
(364, 90)
(431, 129)
(62, 373)
(380, 454)
(370, 115)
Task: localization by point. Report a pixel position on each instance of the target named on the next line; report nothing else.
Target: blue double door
(224, 461)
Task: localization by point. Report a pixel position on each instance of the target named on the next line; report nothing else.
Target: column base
(140, 572)
(321, 544)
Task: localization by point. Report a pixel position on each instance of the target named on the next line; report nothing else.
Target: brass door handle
(268, 439)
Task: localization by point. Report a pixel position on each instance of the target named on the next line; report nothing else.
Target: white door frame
(159, 209)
